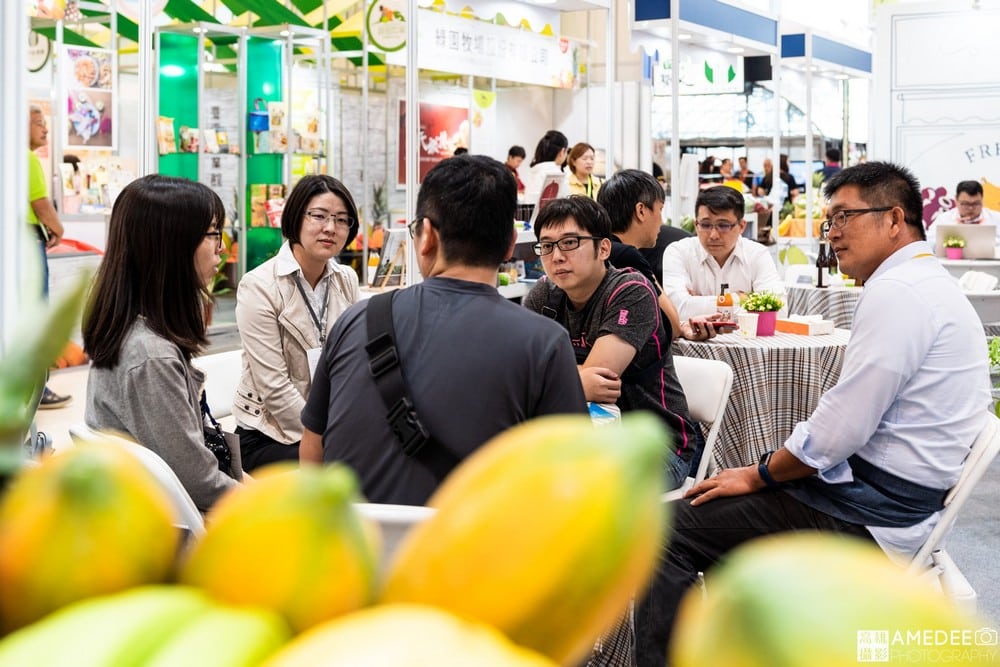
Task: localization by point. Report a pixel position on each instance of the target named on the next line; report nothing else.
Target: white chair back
(187, 514)
(706, 384)
(984, 450)
(395, 521)
(222, 377)
(987, 305)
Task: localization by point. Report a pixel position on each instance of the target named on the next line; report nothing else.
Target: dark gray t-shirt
(625, 304)
(475, 364)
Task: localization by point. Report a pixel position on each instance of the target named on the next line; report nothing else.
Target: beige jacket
(277, 331)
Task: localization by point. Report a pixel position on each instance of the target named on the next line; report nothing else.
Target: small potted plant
(953, 247)
(766, 305)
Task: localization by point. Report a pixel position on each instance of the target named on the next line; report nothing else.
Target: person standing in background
(581, 178)
(550, 154)
(515, 156)
(42, 220)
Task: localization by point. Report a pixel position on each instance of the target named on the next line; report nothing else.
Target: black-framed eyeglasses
(565, 244)
(414, 225)
(320, 218)
(218, 237)
(839, 219)
(722, 227)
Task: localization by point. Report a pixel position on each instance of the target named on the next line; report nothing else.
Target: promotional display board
(442, 130)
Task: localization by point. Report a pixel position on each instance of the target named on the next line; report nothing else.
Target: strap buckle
(382, 355)
(405, 423)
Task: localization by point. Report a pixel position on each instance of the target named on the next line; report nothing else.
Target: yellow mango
(544, 533)
(291, 542)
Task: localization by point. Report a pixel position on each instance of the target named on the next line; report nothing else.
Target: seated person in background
(145, 321)
(743, 172)
(633, 201)
(968, 210)
(474, 363)
(695, 268)
(767, 182)
(614, 321)
(581, 179)
(284, 310)
(515, 156)
(884, 445)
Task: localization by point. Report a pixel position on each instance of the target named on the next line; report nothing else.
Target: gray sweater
(153, 396)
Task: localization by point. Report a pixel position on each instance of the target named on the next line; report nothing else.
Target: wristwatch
(764, 473)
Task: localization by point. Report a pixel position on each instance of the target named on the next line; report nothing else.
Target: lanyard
(320, 321)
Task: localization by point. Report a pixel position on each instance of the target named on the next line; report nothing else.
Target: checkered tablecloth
(833, 303)
(777, 382)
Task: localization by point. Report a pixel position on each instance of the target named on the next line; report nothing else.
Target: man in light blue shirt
(883, 447)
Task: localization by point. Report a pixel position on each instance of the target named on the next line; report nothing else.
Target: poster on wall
(442, 130)
(88, 77)
(386, 24)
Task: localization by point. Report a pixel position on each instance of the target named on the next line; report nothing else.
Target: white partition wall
(937, 96)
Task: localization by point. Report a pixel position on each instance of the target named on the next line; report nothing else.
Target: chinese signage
(465, 46)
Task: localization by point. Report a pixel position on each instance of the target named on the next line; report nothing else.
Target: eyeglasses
(565, 244)
(218, 237)
(721, 227)
(319, 219)
(839, 219)
(970, 204)
(414, 226)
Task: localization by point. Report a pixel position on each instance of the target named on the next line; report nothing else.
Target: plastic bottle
(724, 304)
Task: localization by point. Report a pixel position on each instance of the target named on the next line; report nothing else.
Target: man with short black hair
(695, 269)
(969, 210)
(472, 363)
(878, 455)
(614, 321)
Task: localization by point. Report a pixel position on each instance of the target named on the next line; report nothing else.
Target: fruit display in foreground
(544, 533)
(151, 626)
(291, 541)
(89, 521)
(805, 600)
(404, 635)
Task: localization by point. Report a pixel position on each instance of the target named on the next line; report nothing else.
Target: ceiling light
(684, 36)
(197, 29)
(842, 77)
(735, 49)
(284, 33)
(543, 2)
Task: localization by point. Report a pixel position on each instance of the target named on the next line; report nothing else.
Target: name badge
(313, 355)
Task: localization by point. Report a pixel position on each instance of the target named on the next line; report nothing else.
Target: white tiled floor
(56, 423)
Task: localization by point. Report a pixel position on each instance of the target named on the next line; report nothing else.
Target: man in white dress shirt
(695, 268)
(968, 210)
(878, 455)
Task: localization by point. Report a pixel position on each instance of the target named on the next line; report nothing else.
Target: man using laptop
(969, 210)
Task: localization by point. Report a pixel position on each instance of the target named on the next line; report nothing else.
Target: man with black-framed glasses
(968, 210)
(614, 321)
(694, 269)
(877, 456)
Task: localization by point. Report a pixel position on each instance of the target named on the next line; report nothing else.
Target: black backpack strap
(383, 362)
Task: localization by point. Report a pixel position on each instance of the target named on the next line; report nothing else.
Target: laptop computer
(979, 239)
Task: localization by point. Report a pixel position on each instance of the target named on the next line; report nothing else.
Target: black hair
(971, 188)
(833, 154)
(461, 150)
(302, 194)
(156, 226)
(883, 184)
(719, 199)
(623, 191)
(588, 214)
(549, 146)
(517, 151)
(470, 200)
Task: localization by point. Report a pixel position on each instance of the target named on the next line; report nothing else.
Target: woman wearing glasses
(284, 310)
(145, 321)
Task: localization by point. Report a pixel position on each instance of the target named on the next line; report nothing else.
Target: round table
(833, 303)
(777, 382)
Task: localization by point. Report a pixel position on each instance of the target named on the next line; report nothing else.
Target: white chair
(984, 450)
(987, 305)
(222, 377)
(706, 384)
(395, 521)
(187, 515)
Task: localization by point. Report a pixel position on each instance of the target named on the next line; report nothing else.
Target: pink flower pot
(953, 253)
(766, 322)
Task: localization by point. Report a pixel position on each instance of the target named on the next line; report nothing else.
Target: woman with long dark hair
(284, 309)
(550, 154)
(145, 321)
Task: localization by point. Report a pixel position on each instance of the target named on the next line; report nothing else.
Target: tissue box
(806, 325)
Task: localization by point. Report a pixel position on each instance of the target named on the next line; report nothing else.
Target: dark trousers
(700, 537)
(257, 449)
